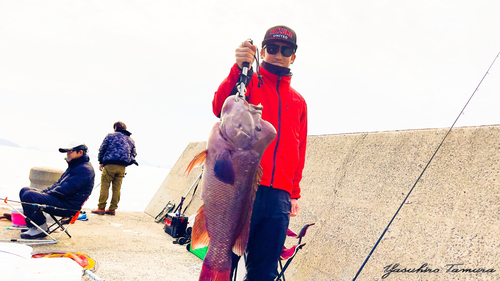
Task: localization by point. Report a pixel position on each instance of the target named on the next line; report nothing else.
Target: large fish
(230, 180)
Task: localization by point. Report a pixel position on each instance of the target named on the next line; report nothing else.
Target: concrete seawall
(353, 184)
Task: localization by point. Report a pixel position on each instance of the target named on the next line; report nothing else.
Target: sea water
(138, 187)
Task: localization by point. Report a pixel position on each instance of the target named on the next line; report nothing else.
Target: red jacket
(283, 160)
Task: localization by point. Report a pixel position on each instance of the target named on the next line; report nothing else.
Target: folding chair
(63, 219)
(289, 254)
(62, 223)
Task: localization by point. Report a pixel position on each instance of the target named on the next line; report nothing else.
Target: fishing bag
(175, 225)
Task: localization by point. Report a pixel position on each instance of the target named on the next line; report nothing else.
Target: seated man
(69, 192)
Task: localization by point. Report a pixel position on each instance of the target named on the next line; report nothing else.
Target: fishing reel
(243, 80)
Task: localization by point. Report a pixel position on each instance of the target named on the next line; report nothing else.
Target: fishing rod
(423, 171)
(178, 210)
(92, 275)
(43, 206)
(28, 220)
(243, 79)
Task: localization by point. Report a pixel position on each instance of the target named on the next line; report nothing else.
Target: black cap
(76, 148)
(280, 33)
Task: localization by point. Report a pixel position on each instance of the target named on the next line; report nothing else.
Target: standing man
(117, 151)
(69, 192)
(283, 161)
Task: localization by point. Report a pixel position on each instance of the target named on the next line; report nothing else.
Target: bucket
(17, 218)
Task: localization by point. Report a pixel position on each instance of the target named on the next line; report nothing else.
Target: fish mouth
(239, 139)
(244, 134)
(240, 124)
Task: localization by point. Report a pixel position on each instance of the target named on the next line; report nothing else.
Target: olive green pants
(112, 175)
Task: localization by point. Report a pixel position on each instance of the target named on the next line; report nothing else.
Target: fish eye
(258, 128)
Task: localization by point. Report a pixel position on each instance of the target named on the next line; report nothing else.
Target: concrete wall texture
(43, 177)
(353, 184)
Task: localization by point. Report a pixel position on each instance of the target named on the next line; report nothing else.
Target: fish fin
(197, 161)
(199, 235)
(258, 177)
(223, 168)
(212, 274)
(242, 240)
(240, 244)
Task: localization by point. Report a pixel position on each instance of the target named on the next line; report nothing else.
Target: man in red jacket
(283, 161)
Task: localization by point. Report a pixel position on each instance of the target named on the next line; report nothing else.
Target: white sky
(70, 69)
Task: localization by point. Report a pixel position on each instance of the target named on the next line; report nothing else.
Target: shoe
(110, 212)
(83, 217)
(34, 236)
(27, 229)
(99, 211)
(34, 232)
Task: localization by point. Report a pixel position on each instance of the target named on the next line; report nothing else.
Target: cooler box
(12, 259)
(53, 269)
(16, 264)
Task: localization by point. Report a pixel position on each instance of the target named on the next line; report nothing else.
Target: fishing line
(425, 168)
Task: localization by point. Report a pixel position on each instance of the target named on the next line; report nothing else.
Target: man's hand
(295, 207)
(245, 53)
(101, 166)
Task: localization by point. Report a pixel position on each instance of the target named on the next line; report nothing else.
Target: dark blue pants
(32, 195)
(268, 227)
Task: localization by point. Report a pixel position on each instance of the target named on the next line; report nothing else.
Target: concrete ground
(128, 246)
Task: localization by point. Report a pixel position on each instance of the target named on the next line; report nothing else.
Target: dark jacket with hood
(118, 148)
(75, 184)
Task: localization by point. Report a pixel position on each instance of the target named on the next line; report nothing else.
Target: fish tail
(197, 161)
(211, 274)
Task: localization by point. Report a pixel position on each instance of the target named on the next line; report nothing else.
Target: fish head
(242, 125)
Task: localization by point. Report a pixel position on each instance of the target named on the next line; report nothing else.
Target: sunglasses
(274, 49)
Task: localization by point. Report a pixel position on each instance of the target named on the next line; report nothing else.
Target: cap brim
(279, 40)
(64, 149)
